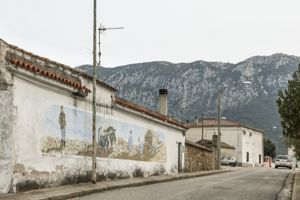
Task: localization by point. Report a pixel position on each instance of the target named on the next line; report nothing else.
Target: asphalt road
(242, 184)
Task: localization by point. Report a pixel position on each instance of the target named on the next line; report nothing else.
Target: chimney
(163, 101)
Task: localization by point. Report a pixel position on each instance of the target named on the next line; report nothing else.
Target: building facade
(46, 128)
(248, 141)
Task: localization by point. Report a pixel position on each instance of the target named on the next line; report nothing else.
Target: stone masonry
(198, 157)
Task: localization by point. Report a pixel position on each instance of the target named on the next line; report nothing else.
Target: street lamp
(220, 92)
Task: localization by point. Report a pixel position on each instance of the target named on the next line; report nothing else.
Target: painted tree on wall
(289, 109)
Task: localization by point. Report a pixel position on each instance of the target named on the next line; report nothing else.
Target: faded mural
(69, 131)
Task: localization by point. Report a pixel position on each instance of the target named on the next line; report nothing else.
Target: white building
(248, 141)
(46, 127)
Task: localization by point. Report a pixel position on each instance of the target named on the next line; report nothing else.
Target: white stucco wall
(173, 137)
(252, 142)
(35, 102)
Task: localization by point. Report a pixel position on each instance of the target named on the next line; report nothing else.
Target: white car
(230, 160)
(285, 161)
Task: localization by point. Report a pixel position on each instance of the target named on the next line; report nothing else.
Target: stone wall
(198, 158)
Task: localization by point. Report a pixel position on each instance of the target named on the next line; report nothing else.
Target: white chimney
(163, 101)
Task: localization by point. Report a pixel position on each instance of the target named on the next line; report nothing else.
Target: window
(250, 134)
(247, 157)
(244, 132)
(259, 159)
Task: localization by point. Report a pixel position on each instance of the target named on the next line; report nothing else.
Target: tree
(289, 109)
(269, 148)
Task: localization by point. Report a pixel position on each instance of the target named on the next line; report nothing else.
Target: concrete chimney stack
(163, 101)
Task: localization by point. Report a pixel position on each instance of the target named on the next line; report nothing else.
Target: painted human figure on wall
(130, 141)
(63, 124)
(140, 146)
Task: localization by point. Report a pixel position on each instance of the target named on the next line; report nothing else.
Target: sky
(156, 30)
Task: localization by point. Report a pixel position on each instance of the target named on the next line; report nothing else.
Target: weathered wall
(170, 137)
(6, 123)
(52, 137)
(197, 159)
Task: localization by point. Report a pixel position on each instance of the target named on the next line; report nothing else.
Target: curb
(91, 190)
(294, 188)
(287, 188)
(147, 182)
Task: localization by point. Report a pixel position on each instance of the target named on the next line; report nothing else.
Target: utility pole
(93, 178)
(202, 127)
(219, 130)
(220, 92)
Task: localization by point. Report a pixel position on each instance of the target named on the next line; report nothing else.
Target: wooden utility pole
(219, 130)
(202, 126)
(93, 178)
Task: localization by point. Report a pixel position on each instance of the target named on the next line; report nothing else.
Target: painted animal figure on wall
(107, 138)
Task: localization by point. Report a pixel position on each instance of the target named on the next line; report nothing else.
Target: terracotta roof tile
(213, 122)
(148, 112)
(43, 71)
(188, 142)
(208, 143)
(46, 60)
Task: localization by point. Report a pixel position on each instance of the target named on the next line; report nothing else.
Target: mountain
(193, 88)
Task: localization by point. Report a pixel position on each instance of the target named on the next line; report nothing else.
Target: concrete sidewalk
(77, 190)
(296, 187)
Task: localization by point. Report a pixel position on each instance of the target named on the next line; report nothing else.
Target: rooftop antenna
(103, 28)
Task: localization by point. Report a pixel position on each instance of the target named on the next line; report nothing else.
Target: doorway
(179, 157)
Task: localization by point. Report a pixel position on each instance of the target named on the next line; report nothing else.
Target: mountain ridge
(193, 88)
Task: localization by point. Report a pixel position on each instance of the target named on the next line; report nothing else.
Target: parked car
(229, 160)
(285, 161)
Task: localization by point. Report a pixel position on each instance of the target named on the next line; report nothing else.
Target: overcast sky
(165, 30)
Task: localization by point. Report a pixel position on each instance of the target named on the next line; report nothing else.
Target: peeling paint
(6, 123)
(19, 168)
(39, 150)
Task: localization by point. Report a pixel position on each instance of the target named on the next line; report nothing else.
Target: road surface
(242, 184)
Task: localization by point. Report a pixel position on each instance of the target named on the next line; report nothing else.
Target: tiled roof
(148, 112)
(213, 122)
(188, 142)
(51, 73)
(208, 143)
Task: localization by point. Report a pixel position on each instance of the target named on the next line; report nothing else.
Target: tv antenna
(102, 29)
